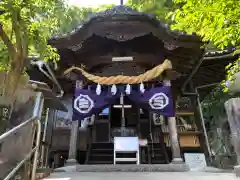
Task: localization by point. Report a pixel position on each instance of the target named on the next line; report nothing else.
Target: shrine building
(132, 88)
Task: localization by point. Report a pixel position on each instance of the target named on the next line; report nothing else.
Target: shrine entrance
(119, 119)
(124, 118)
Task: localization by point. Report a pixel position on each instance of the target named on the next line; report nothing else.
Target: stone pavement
(141, 176)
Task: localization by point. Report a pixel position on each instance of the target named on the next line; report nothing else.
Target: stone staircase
(157, 153)
(100, 153)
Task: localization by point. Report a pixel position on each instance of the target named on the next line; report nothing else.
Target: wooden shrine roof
(121, 23)
(212, 69)
(123, 31)
(213, 66)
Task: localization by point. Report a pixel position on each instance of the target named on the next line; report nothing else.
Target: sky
(87, 3)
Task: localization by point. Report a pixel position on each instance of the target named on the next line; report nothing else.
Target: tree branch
(20, 32)
(25, 39)
(7, 42)
(17, 29)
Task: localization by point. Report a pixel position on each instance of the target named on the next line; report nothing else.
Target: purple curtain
(87, 102)
(157, 100)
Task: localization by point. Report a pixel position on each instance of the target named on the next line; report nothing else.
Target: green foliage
(72, 18)
(75, 17)
(216, 21)
(160, 8)
(218, 132)
(37, 21)
(213, 106)
(27, 25)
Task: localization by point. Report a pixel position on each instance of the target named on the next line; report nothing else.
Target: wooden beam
(90, 62)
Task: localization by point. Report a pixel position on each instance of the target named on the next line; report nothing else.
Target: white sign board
(126, 144)
(195, 161)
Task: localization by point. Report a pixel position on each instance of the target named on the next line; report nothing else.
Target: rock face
(15, 148)
(232, 107)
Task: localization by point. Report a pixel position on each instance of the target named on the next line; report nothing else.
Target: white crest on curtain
(98, 90)
(128, 89)
(114, 89)
(142, 89)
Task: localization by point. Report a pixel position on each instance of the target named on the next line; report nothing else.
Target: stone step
(102, 146)
(100, 162)
(101, 157)
(141, 176)
(133, 168)
(162, 161)
(102, 151)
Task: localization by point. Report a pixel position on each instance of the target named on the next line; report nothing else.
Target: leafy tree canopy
(160, 8)
(26, 26)
(216, 21)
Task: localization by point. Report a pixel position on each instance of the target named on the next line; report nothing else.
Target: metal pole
(44, 137)
(35, 160)
(52, 118)
(39, 128)
(194, 71)
(202, 117)
(204, 127)
(15, 129)
(121, 2)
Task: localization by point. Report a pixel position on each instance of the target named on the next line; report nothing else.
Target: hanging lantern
(114, 89)
(128, 89)
(98, 90)
(142, 89)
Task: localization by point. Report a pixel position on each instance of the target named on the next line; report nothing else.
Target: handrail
(15, 129)
(44, 136)
(36, 117)
(11, 174)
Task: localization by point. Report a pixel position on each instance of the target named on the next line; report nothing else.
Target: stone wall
(233, 112)
(16, 147)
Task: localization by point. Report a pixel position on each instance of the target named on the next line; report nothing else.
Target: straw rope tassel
(120, 79)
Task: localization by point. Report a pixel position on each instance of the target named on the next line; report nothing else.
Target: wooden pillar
(72, 154)
(176, 155)
(56, 160)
